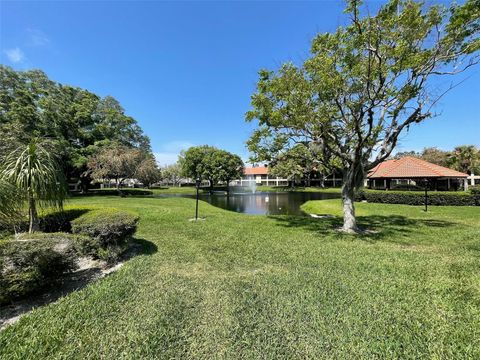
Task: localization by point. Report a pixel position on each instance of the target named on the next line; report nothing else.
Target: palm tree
(37, 176)
(466, 159)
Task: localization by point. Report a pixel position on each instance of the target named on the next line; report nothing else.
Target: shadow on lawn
(74, 281)
(393, 228)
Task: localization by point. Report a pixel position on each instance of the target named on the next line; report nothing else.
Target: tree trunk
(348, 197)
(32, 214)
(228, 187)
(211, 187)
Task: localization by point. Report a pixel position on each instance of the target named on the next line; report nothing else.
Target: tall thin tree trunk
(348, 197)
(32, 214)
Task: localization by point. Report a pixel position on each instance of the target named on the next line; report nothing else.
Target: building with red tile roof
(256, 170)
(414, 169)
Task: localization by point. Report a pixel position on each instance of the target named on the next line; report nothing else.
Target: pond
(287, 203)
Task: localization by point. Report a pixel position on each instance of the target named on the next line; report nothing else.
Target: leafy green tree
(225, 167)
(293, 164)
(193, 162)
(37, 176)
(172, 174)
(435, 156)
(76, 120)
(364, 85)
(115, 162)
(148, 172)
(212, 164)
(403, 154)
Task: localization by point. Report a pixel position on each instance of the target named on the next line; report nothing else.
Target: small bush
(417, 197)
(475, 191)
(60, 221)
(108, 231)
(30, 262)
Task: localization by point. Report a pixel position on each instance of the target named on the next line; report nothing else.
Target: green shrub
(108, 231)
(30, 262)
(475, 191)
(417, 197)
(120, 192)
(60, 221)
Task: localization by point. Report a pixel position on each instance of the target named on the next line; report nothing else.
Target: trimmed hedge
(418, 198)
(31, 262)
(107, 232)
(115, 192)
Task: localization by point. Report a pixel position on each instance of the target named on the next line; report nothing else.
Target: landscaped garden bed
(36, 262)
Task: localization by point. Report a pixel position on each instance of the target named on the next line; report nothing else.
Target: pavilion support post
(465, 184)
(426, 195)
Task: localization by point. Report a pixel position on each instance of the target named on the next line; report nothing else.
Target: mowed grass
(239, 286)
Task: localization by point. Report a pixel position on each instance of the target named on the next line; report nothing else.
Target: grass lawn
(240, 286)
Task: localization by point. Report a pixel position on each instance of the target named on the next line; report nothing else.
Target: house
(259, 175)
(410, 171)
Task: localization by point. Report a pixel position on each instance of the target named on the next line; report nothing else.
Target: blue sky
(186, 70)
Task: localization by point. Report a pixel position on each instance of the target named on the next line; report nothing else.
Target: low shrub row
(30, 262)
(119, 192)
(418, 198)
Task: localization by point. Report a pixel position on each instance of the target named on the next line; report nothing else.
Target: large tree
(294, 164)
(365, 84)
(172, 174)
(78, 121)
(212, 164)
(435, 156)
(225, 167)
(147, 171)
(115, 162)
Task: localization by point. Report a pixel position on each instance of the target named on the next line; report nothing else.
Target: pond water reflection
(287, 203)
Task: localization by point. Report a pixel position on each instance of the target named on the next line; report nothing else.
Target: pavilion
(410, 171)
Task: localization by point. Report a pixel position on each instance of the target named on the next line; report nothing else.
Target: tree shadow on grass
(88, 272)
(393, 228)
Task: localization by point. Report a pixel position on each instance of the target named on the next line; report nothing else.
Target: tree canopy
(364, 85)
(172, 174)
(212, 164)
(76, 120)
(116, 162)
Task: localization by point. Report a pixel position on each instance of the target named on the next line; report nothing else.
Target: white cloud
(37, 37)
(169, 152)
(15, 55)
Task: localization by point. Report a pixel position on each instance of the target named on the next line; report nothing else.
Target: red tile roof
(259, 170)
(411, 167)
